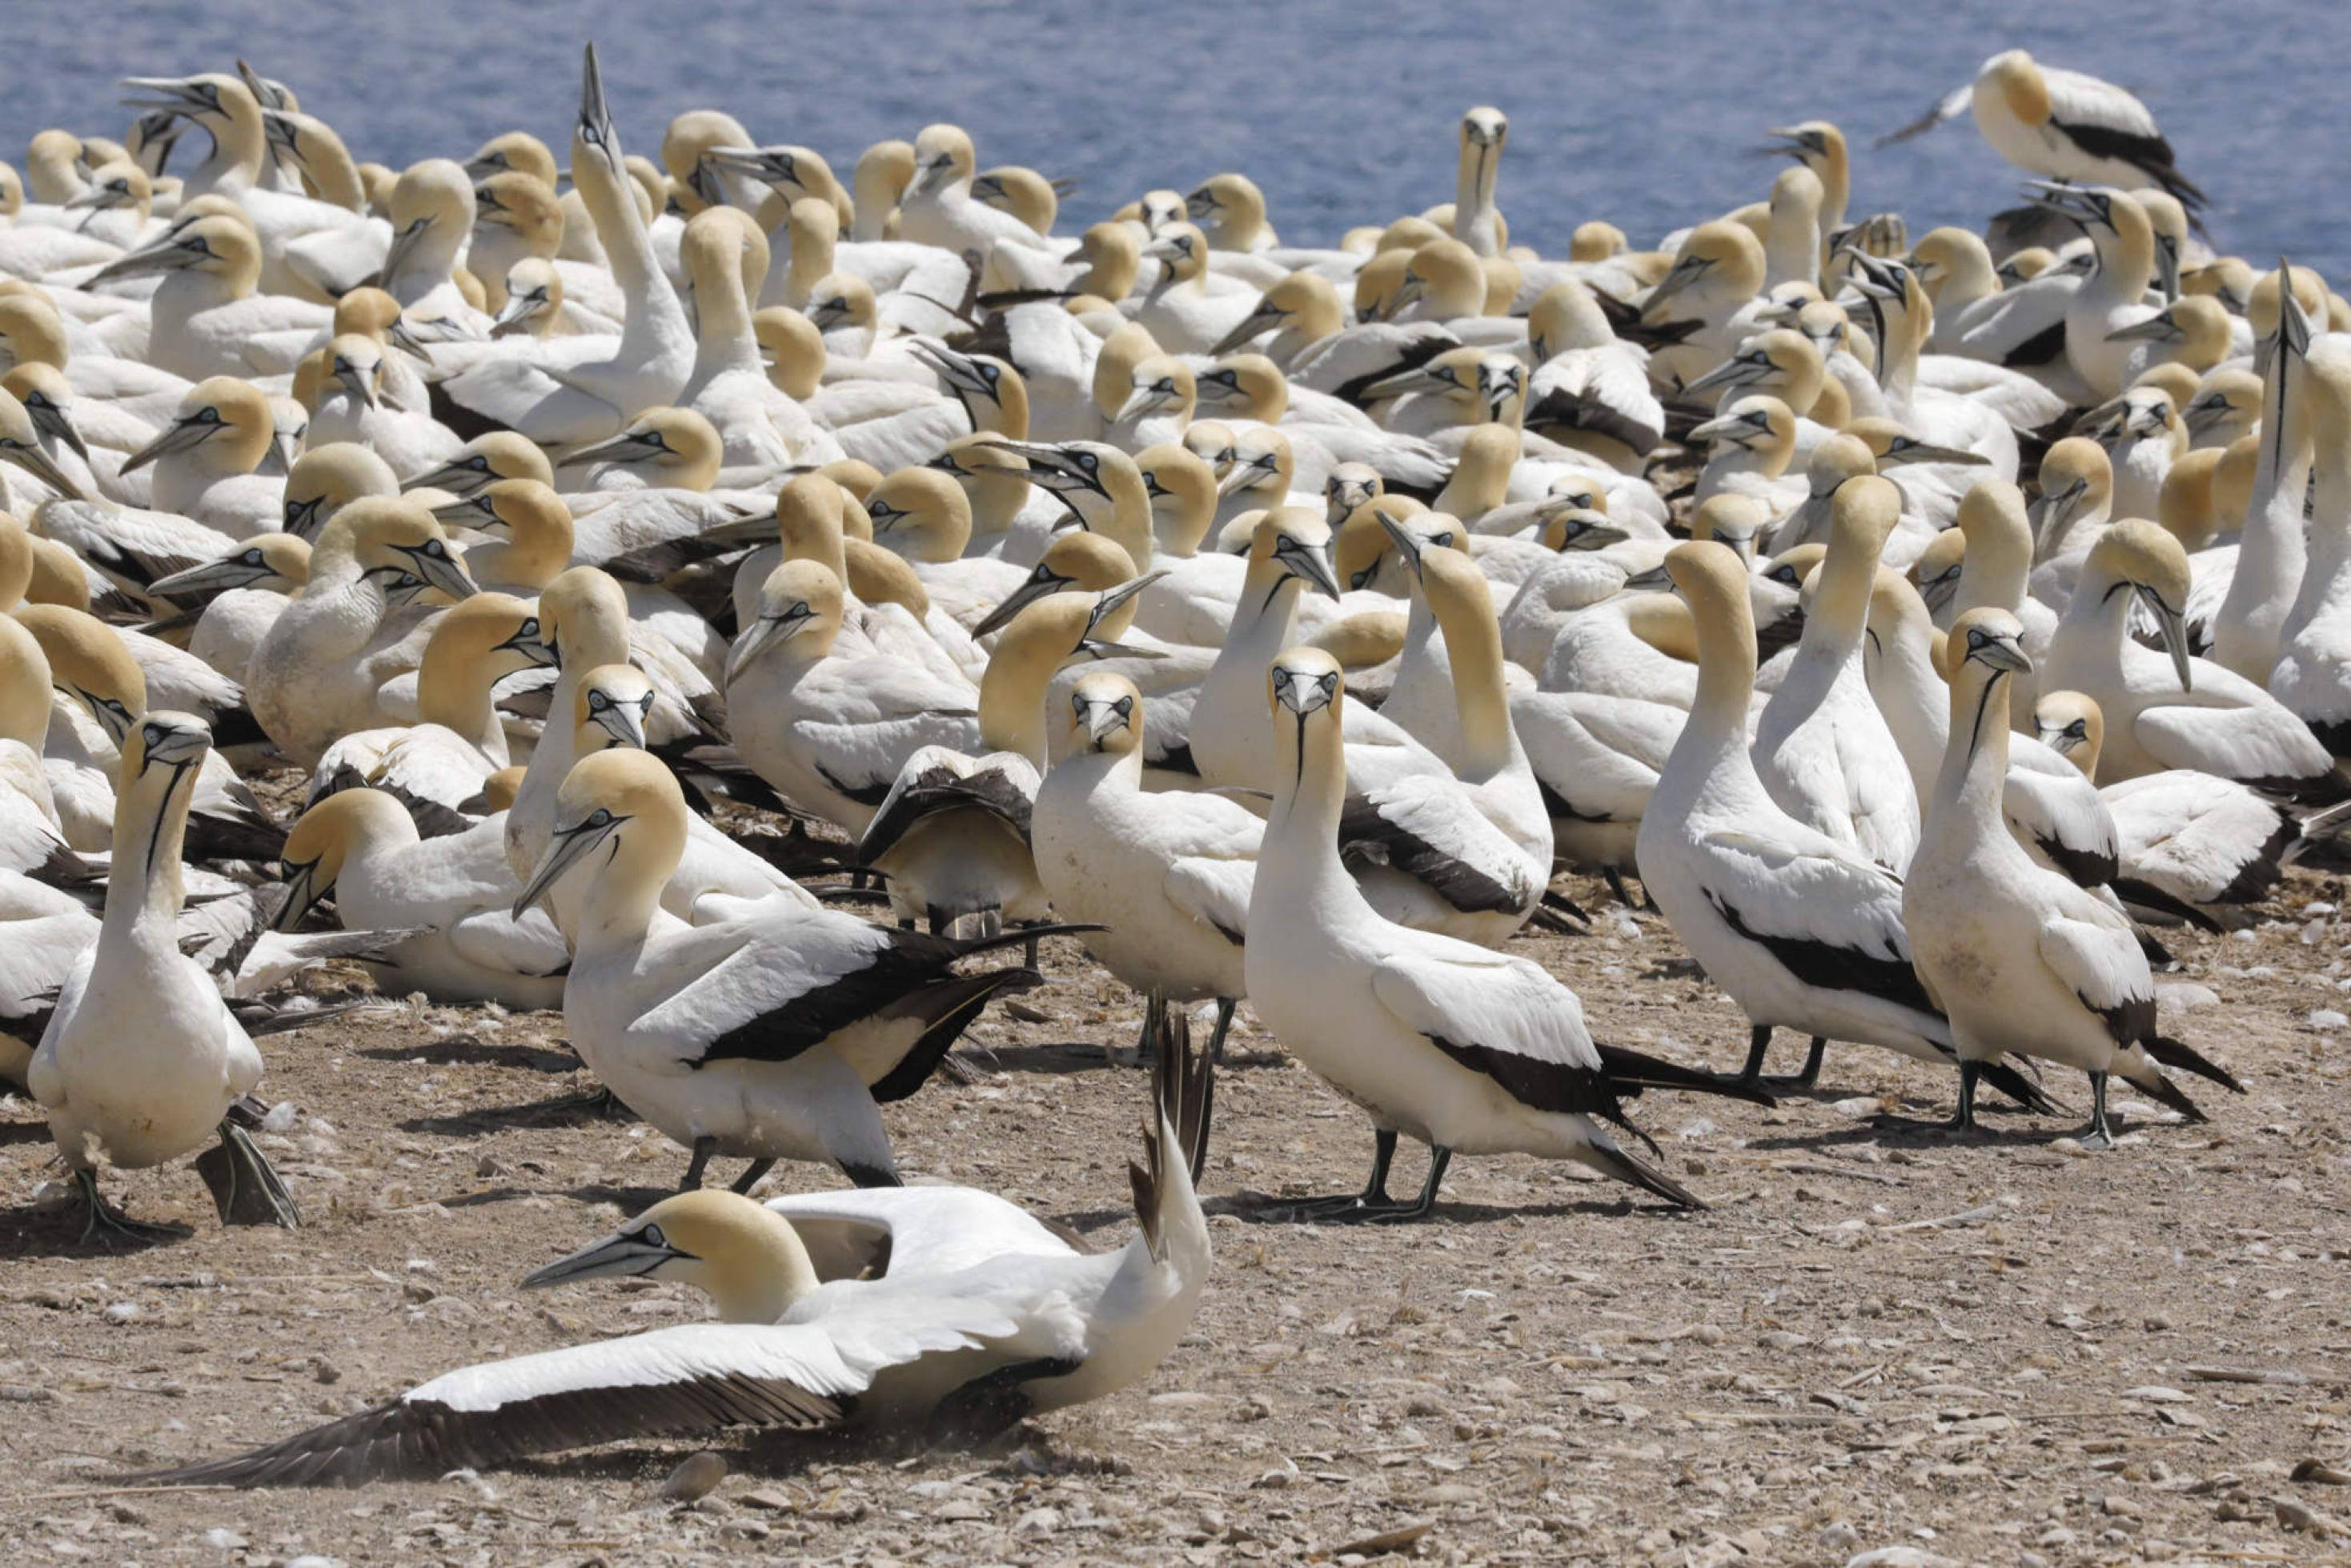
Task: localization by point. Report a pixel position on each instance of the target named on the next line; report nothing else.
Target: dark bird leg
(1372, 1200)
(244, 1189)
(1421, 1208)
(1963, 1120)
(1616, 885)
(108, 1225)
(1224, 1006)
(2098, 1134)
(751, 1175)
(703, 1149)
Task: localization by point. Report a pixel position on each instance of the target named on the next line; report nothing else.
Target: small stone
(221, 1539)
(2318, 1472)
(122, 1312)
(279, 1118)
(2327, 1017)
(962, 1510)
(695, 1479)
(1840, 1537)
(2299, 1516)
(2156, 1394)
(325, 1370)
(1037, 1521)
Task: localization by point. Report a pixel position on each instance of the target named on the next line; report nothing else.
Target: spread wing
(698, 1378)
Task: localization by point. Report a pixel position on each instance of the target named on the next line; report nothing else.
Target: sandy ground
(2001, 1350)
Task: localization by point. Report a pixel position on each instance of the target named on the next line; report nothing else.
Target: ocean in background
(1344, 114)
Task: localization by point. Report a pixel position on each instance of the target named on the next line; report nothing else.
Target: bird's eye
(600, 818)
(598, 702)
(654, 1237)
(208, 417)
(1086, 461)
(529, 628)
(437, 550)
(989, 373)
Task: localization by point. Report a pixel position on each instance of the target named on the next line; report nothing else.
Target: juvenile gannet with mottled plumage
(2021, 959)
(2188, 835)
(141, 1061)
(981, 1319)
(1466, 1049)
(2171, 709)
(767, 1032)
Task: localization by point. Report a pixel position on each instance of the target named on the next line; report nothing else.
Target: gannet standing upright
(1467, 1050)
(2021, 958)
(142, 1060)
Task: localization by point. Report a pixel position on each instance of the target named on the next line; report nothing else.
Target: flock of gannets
(1275, 620)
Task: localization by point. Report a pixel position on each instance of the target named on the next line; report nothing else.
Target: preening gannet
(1466, 1049)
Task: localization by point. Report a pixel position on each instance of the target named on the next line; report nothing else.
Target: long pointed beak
(1416, 379)
(357, 381)
(1316, 568)
(1927, 452)
(299, 897)
(2155, 329)
(445, 572)
(54, 422)
(464, 476)
(212, 577)
(616, 1256)
(766, 635)
(1729, 427)
(1251, 325)
(473, 512)
(627, 448)
(1144, 401)
(41, 466)
(1103, 719)
(1729, 373)
(512, 316)
(566, 849)
(1019, 599)
(624, 722)
(1938, 591)
(396, 253)
(166, 257)
(1240, 476)
(595, 116)
(185, 435)
(2005, 656)
(2173, 625)
(1407, 544)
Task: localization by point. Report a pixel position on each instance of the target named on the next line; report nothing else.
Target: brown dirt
(1549, 1373)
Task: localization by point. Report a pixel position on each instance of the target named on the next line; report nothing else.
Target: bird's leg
(703, 1149)
(108, 1225)
(1810, 1074)
(1759, 1045)
(1372, 1200)
(1154, 1009)
(1421, 1208)
(1963, 1119)
(1616, 885)
(1224, 1006)
(751, 1175)
(244, 1189)
(2097, 1134)
(1029, 955)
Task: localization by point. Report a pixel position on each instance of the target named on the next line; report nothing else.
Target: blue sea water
(1343, 113)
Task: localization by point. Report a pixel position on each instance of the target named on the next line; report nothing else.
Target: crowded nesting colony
(753, 611)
